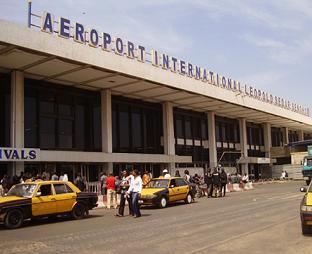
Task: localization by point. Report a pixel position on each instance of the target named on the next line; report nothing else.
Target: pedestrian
(38, 178)
(146, 178)
(5, 183)
(111, 191)
(124, 186)
(208, 181)
(54, 176)
(216, 182)
(177, 173)
(223, 182)
(65, 177)
(187, 176)
(80, 183)
(61, 176)
(166, 173)
(103, 186)
(135, 192)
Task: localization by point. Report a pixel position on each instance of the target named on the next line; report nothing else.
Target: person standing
(124, 186)
(166, 173)
(146, 178)
(111, 191)
(187, 176)
(208, 181)
(135, 192)
(223, 181)
(177, 173)
(216, 182)
(54, 177)
(80, 183)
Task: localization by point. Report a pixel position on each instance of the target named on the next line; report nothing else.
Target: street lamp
(29, 12)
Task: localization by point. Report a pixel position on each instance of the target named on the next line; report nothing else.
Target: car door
(173, 191)
(65, 197)
(43, 201)
(183, 188)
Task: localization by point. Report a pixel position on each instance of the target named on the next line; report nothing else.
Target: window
(137, 126)
(62, 189)
(181, 182)
(5, 105)
(45, 190)
(173, 183)
(61, 118)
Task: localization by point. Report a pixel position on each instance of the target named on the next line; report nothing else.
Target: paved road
(264, 220)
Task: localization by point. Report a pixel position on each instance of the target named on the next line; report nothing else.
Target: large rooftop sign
(68, 29)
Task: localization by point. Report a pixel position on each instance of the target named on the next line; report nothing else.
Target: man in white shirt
(166, 173)
(135, 192)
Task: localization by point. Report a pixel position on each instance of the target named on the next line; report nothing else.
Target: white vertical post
(301, 135)
(285, 135)
(106, 124)
(168, 130)
(213, 160)
(243, 142)
(267, 139)
(17, 116)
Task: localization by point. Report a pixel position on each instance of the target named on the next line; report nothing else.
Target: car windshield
(158, 183)
(22, 190)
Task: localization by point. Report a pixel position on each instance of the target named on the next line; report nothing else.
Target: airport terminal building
(79, 100)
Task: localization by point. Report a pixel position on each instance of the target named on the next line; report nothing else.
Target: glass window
(80, 127)
(65, 136)
(62, 189)
(179, 127)
(45, 190)
(47, 132)
(173, 183)
(31, 122)
(124, 128)
(181, 182)
(188, 129)
(47, 106)
(136, 129)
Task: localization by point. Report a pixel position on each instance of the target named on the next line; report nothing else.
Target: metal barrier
(93, 187)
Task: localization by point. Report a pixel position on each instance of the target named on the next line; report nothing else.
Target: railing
(94, 187)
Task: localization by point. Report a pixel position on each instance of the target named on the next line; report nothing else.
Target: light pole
(29, 13)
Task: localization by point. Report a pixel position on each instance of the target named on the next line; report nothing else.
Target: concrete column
(106, 123)
(267, 139)
(17, 116)
(285, 135)
(213, 160)
(301, 135)
(168, 130)
(243, 142)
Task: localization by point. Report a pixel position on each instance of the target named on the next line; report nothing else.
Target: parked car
(306, 210)
(161, 191)
(44, 199)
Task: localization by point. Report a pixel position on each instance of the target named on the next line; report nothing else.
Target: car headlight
(306, 208)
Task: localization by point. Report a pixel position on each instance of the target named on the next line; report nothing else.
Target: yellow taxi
(44, 199)
(306, 210)
(161, 191)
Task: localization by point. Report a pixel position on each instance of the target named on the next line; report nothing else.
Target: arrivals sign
(67, 29)
(19, 154)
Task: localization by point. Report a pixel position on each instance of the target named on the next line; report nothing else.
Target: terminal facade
(72, 107)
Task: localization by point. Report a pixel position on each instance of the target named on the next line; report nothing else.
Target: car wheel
(163, 202)
(79, 211)
(14, 219)
(188, 198)
(305, 229)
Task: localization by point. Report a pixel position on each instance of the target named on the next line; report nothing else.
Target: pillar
(17, 117)
(106, 126)
(213, 160)
(243, 142)
(267, 139)
(301, 135)
(168, 130)
(285, 135)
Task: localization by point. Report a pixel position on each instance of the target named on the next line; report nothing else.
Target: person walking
(223, 181)
(216, 182)
(124, 186)
(111, 191)
(135, 192)
(208, 181)
(80, 183)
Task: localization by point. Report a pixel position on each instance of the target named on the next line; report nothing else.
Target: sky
(263, 43)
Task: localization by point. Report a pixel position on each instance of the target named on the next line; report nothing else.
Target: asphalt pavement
(263, 220)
